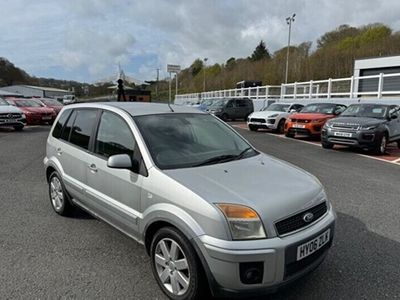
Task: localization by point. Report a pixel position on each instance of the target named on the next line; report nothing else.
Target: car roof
(141, 108)
(325, 103)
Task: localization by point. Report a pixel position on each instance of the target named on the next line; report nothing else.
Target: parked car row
(367, 126)
(19, 112)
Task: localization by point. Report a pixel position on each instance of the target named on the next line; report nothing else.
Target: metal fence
(374, 86)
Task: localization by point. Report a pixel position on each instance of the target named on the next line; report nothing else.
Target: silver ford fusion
(211, 210)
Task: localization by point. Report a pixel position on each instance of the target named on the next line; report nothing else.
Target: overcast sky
(85, 39)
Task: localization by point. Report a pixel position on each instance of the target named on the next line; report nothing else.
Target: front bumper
(12, 122)
(223, 259)
(365, 139)
(310, 129)
(266, 124)
(39, 119)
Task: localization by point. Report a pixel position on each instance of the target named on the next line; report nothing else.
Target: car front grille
(297, 222)
(257, 120)
(10, 116)
(300, 120)
(345, 126)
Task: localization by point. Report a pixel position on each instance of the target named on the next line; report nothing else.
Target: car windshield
(218, 103)
(27, 103)
(51, 102)
(188, 140)
(3, 102)
(319, 108)
(277, 107)
(366, 111)
(207, 102)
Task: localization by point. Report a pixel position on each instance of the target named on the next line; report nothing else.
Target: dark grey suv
(366, 126)
(232, 108)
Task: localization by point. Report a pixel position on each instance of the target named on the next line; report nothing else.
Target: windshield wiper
(241, 154)
(216, 159)
(223, 158)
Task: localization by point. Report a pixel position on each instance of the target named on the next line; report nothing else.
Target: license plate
(46, 118)
(312, 246)
(344, 134)
(9, 120)
(257, 123)
(299, 126)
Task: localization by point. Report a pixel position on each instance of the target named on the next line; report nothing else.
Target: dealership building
(37, 91)
(375, 66)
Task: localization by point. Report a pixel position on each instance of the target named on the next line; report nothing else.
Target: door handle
(92, 168)
(59, 151)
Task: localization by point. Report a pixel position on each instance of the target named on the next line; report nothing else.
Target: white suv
(272, 117)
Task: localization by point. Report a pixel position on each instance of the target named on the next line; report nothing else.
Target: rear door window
(83, 127)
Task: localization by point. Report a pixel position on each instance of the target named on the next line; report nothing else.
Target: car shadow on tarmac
(360, 265)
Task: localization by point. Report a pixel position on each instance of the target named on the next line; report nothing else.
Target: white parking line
(395, 162)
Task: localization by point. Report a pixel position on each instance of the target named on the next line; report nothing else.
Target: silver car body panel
(186, 198)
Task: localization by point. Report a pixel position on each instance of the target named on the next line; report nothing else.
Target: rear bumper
(277, 256)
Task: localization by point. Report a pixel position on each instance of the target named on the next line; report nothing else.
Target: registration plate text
(310, 247)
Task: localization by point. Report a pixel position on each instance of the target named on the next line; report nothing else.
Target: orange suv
(310, 120)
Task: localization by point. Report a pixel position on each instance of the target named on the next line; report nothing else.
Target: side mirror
(123, 161)
(292, 111)
(393, 117)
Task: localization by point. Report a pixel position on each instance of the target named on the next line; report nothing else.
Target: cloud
(86, 38)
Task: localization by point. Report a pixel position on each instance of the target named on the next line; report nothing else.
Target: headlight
(273, 116)
(369, 127)
(328, 125)
(23, 116)
(244, 222)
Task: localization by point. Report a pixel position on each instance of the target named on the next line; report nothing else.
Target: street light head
(293, 16)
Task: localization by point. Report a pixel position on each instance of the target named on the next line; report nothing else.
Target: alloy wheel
(383, 145)
(172, 266)
(56, 193)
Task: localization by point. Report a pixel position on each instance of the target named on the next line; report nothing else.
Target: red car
(310, 120)
(51, 103)
(35, 112)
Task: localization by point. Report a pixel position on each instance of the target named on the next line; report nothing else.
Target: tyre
(281, 126)
(175, 265)
(59, 199)
(253, 128)
(327, 145)
(19, 128)
(224, 117)
(289, 135)
(380, 146)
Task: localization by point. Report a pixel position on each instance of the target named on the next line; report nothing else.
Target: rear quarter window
(60, 123)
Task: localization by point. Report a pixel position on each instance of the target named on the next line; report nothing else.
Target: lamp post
(204, 74)
(289, 21)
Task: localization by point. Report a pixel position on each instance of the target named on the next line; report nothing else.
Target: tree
(196, 67)
(230, 63)
(261, 52)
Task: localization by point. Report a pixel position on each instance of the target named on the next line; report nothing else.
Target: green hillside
(332, 56)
